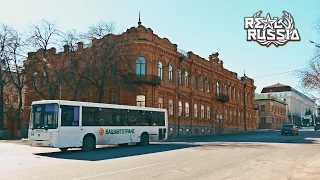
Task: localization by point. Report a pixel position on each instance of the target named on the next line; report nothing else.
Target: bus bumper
(35, 143)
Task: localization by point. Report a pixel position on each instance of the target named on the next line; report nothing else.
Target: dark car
(289, 129)
(317, 126)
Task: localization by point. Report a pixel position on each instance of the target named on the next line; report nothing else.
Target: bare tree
(107, 52)
(42, 37)
(310, 76)
(5, 38)
(73, 73)
(16, 72)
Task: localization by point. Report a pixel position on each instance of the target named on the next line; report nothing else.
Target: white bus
(70, 124)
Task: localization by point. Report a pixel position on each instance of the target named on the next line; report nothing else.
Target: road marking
(141, 167)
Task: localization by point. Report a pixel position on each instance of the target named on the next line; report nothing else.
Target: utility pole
(244, 101)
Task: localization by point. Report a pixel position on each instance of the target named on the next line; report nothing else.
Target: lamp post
(179, 95)
(244, 101)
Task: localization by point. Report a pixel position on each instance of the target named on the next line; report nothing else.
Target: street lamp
(179, 94)
(243, 79)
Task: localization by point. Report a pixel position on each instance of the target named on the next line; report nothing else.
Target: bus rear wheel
(144, 139)
(88, 143)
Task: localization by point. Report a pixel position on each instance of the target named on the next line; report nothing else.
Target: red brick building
(272, 112)
(201, 96)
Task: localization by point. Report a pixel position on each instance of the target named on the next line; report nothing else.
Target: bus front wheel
(88, 143)
(144, 139)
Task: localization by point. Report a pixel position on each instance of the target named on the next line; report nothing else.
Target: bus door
(70, 132)
(162, 133)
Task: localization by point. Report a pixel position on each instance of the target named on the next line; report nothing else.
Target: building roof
(259, 97)
(276, 85)
(282, 88)
(276, 88)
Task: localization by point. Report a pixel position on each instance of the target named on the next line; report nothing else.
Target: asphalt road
(258, 155)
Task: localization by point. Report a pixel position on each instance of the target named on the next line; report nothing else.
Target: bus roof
(101, 105)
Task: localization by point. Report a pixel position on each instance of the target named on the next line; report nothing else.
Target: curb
(217, 135)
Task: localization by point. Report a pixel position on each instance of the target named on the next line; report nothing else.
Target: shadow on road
(304, 137)
(113, 152)
(250, 140)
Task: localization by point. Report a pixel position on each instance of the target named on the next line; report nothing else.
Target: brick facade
(272, 113)
(225, 103)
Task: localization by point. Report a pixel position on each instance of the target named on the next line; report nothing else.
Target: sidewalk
(15, 141)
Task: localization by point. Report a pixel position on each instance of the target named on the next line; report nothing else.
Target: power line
(275, 74)
(271, 68)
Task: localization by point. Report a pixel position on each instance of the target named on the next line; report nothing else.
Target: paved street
(258, 155)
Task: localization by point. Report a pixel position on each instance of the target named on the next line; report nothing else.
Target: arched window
(180, 108)
(160, 101)
(208, 85)
(208, 112)
(195, 111)
(195, 82)
(226, 116)
(179, 77)
(218, 88)
(35, 76)
(201, 83)
(170, 107)
(141, 100)
(114, 99)
(186, 78)
(187, 109)
(141, 66)
(225, 89)
(202, 111)
(160, 70)
(114, 69)
(45, 78)
(170, 73)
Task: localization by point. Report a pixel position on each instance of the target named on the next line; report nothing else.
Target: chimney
(31, 55)
(52, 51)
(66, 48)
(80, 45)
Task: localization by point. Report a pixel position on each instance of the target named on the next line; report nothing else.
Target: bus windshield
(44, 116)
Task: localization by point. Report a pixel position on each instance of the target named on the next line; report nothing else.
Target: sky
(202, 26)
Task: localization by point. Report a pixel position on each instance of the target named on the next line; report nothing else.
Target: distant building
(299, 107)
(271, 112)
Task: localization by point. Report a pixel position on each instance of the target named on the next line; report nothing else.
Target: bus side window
(106, 117)
(149, 117)
(142, 120)
(132, 117)
(69, 115)
(90, 116)
(160, 119)
(120, 117)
